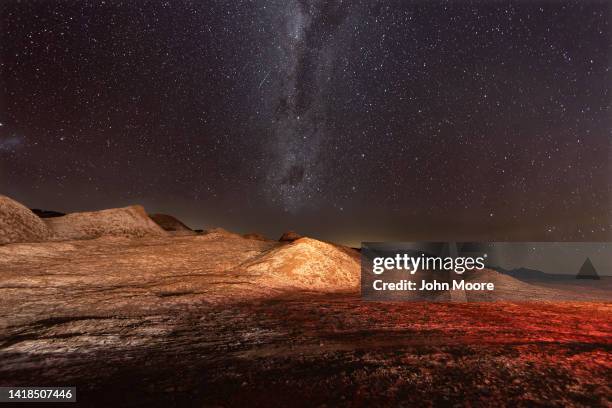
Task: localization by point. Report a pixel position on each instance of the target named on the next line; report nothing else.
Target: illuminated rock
(19, 224)
(130, 221)
(307, 264)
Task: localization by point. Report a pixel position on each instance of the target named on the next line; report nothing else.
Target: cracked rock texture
(130, 221)
(19, 224)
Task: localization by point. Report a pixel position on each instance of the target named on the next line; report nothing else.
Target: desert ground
(133, 314)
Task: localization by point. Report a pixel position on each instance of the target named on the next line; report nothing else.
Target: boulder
(289, 236)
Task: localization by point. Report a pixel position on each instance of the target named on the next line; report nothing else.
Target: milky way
(302, 62)
(10, 143)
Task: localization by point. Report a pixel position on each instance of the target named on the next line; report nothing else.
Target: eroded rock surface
(307, 264)
(19, 224)
(130, 221)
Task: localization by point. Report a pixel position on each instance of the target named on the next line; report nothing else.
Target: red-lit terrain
(221, 320)
(334, 350)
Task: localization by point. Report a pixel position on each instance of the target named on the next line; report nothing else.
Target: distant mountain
(530, 274)
(587, 271)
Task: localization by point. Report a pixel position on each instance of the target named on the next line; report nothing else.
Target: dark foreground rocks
(324, 350)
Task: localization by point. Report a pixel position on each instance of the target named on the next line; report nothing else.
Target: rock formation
(307, 264)
(289, 236)
(130, 221)
(171, 224)
(19, 224)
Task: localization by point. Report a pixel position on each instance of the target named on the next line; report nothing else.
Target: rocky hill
(130, 221)
(307, 264)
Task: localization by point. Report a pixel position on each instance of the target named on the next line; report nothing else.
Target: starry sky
(345, 120)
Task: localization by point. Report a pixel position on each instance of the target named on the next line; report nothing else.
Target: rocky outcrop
(171, 224)
(307, 264)
(19, 224)
(130, 221)
(289, 236)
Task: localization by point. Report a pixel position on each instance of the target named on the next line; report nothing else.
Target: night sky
(347, 121)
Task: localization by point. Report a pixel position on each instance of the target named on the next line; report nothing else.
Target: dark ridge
(169, 223)
(289, 236)
(47, 213)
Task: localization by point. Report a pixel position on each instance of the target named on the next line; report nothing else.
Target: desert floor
(182, 321)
